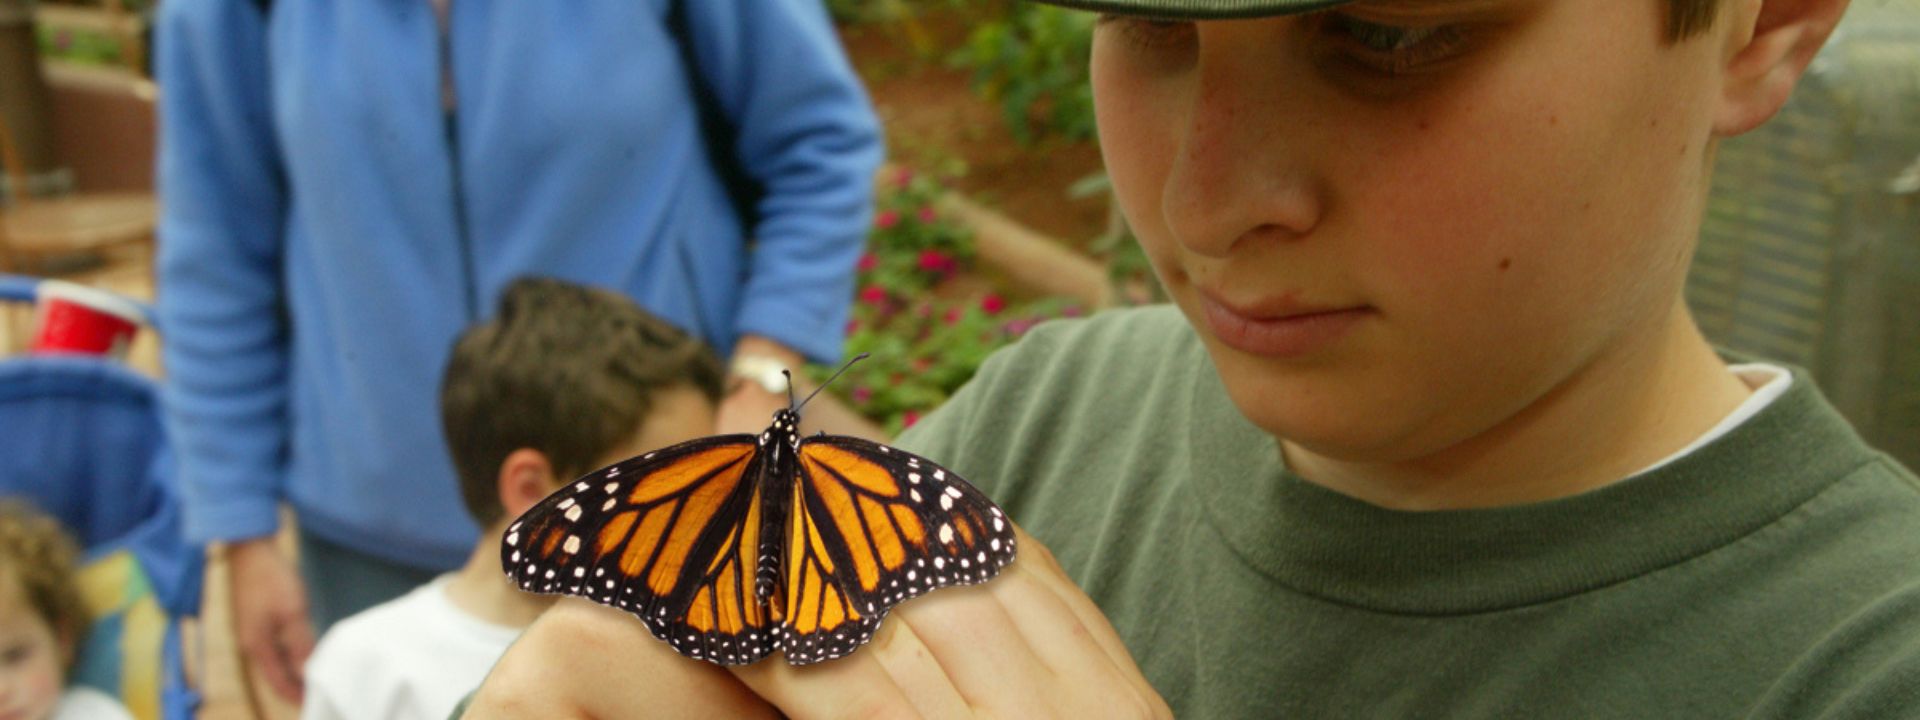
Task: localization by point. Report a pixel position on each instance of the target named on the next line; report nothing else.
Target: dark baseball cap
(1199, 9)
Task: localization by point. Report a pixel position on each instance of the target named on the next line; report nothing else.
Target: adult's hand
(1027, 644)
(270, 615)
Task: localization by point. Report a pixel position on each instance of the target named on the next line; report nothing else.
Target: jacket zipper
(450, 126)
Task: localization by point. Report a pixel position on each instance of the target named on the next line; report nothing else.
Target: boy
(1429, 431)
(42, 621)
(565, 379)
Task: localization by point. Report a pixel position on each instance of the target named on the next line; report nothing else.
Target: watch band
(763, 370)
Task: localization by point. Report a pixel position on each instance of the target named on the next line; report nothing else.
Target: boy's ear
(526, 477)
(1770, 44)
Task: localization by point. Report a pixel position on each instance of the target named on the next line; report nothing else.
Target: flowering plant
(924, 334)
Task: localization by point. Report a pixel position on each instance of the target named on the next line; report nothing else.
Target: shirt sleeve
(1869, 667)
(806, 132)
(218, 267)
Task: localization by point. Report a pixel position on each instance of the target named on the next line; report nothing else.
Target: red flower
(1073, 311)
(992, 304)
(934, 261)
(908, 418)
(952, 316)
(873, 295)
(922, 364)
(862, 394)
(868, 262)
(926, 214)
(903, 177)
(853, 326)
(886, 219)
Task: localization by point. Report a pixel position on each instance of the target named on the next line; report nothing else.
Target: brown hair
(38, 557)
(1686, 18)
(564, 369)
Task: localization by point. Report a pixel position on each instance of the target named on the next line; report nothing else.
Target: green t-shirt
(1774, 572)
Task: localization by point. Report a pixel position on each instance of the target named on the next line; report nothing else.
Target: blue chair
(81, 438)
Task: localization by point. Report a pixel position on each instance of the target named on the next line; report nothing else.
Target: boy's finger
(918, 674)
(979, 648)
(1051, 575)
(852, 686)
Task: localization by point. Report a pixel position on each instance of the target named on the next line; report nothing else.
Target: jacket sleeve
(806, 131)
(218, 267)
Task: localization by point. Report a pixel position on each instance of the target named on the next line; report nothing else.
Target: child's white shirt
(414, 656)
(85, 703)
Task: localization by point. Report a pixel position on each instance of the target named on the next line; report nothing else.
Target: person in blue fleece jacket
(346, 185)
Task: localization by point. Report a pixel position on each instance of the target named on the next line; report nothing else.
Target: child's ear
(526, 477)
(1770, 43)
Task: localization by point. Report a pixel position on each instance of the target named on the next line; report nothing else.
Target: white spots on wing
(953, 491)
(612, 472)
(612, 486)
(573, 545)
(573, 513)
(913, 477)
(578, 487)
(995, 544)
(946, 502)
(608, 505)
(515, 558)
(911, 576)
(513, 538)
(567, 503)
(946, 533)
(915, 494)
(579, 572)
(998, 524)
(939, 474)
(647, 456)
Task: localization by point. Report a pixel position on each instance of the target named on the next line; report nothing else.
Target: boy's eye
(1393, 49)
(1148, 33)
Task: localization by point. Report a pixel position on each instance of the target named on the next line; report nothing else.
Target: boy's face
(1389, 251)
(32, 661)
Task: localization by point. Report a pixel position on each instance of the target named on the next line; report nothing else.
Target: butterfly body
(734, 546)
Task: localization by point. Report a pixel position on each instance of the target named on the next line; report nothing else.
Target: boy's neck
(483, 590)
(1627, 409)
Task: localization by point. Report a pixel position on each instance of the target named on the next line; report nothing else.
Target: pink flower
(952, 316)
(886, 219)
(926, 214)
(1073, 311)
(862, 394)
(868, 262)
(903, 177)
(853, 326)
(934, 261)
(992, 304)
(873, 295)
(908, 418)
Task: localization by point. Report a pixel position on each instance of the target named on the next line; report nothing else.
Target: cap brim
(1199, 9)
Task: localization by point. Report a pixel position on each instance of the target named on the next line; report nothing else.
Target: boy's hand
(1026, 644)
(270, 615)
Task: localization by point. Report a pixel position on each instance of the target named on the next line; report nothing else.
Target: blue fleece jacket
(326, 231)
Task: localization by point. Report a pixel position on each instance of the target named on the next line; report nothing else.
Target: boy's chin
(1322, 415)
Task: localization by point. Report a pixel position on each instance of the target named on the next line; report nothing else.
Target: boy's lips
(1279, 328)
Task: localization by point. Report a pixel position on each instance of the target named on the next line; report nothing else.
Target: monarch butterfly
(733, 546)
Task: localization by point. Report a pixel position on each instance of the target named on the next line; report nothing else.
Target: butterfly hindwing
(671, 536)
(873, 526)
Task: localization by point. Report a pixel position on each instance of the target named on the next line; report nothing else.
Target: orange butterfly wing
(671, 536)
(871, 527)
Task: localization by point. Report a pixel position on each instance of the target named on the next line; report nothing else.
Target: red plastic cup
(79, 319)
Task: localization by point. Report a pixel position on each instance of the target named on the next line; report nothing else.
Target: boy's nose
(1243, 171)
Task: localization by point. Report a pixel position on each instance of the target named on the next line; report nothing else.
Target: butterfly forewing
(872, 527)
(670, 536)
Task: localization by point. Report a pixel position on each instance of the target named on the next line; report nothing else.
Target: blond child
(42, 621)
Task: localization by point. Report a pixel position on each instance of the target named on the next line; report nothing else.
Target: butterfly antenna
(823, 386)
